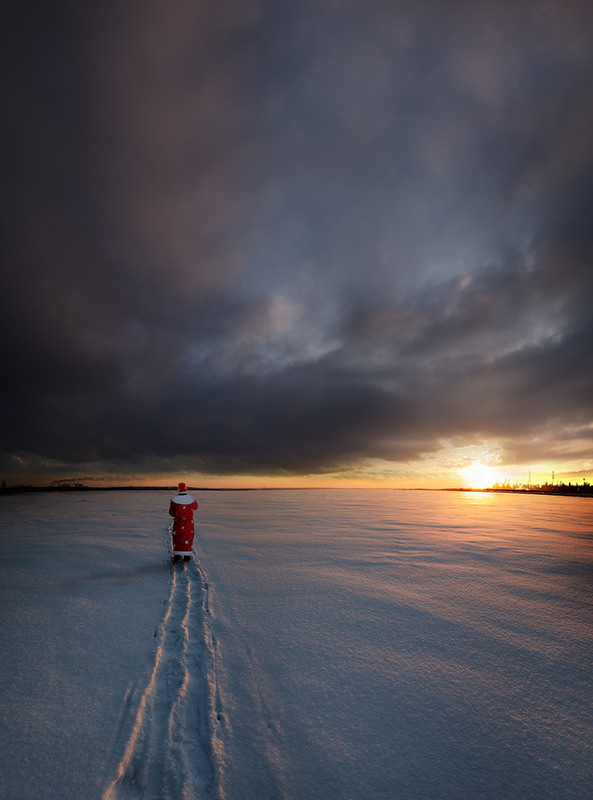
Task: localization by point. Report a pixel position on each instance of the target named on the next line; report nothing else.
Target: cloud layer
(288, 238)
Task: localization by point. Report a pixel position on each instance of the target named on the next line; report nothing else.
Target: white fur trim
(183, 499)
(182, 552)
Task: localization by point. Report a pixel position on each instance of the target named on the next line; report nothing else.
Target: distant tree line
(558, 487)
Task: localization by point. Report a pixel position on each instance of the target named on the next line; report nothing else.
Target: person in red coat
(182, 508)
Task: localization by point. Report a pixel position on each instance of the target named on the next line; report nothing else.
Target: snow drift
(369, 644)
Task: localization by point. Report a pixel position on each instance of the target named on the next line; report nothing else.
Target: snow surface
(324, 645)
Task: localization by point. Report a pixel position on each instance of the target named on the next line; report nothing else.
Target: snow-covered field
(326, 645)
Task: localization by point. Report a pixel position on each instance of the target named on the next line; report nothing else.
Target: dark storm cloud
(269, 237)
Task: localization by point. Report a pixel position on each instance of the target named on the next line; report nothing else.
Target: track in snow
(171, 753)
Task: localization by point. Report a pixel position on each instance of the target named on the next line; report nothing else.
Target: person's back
(182, 508)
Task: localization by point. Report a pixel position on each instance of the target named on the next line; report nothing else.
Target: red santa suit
(182, 508)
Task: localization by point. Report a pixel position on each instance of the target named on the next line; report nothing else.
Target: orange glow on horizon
(479, 476)
(449, 470)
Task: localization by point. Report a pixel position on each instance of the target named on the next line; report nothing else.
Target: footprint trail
(173, 751)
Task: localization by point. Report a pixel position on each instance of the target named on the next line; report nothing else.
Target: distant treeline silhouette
(558, 487)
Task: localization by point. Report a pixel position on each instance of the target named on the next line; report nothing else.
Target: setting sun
(479, 476)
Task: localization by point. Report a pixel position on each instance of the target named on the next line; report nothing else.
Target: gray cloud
(314, 233)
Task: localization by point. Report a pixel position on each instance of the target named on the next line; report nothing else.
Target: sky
(324, 242)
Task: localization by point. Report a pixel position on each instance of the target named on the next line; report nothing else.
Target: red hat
(182, 488)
